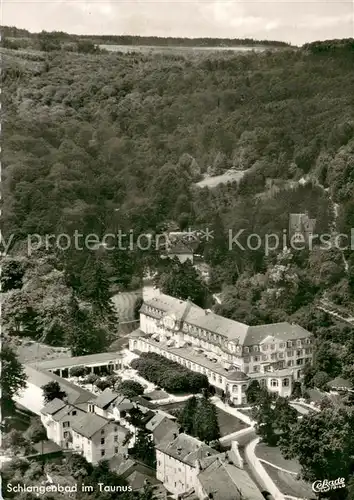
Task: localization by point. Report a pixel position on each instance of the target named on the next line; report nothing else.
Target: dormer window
(247, 349)
(256, 348)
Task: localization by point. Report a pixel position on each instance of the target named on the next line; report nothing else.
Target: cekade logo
(325, 485)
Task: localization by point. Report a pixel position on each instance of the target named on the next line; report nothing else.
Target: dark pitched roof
(48, 446)
(233, 330)
(75, 394)
(89, 425)
(106, 398)
(237, 376)
(164, 432)
(179, 247)
(53, 406)
(228, 482)
(186, 449)
(139, 400)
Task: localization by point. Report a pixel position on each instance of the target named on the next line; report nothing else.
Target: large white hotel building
(230, 353)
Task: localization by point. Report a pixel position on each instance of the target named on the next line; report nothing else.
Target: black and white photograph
(177, 249)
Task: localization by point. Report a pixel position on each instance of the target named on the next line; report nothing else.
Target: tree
(262, 413)
(14, 440)
(12, 380)
(285, 417)
(182, 281)
(137, 306)
(79, 371)
(297, 390)
(253, 391)
(144, 448)
(36, 432)
(12, 274)
(186, 417)
(83, 335)
(95, 285)
(52, 390)
(206, 425)
(130, 388)
(320, 380)
(102, 384)
(323, 443)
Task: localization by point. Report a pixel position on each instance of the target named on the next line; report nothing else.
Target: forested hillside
(101, 142)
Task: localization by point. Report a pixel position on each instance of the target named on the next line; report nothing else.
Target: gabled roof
(240, 333)
(228, 482)
(106, 398)
(186, 449)
(155, 421)
(75, 394)
(340, 383)
(53, 406)
(280, 331)
(164, 432)
(229, 328)
(179, 247)
(88, 425)
(167, 304)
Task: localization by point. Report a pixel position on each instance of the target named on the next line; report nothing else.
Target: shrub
(91, 379)
(169, 375)
(130, 388)
(79, 371)
(102, 384)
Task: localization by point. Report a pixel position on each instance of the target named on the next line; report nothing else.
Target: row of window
(282, 345)
(278, 355)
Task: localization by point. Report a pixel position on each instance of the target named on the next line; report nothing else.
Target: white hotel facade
(230, 353)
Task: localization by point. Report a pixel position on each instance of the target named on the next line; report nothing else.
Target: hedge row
(169, 375)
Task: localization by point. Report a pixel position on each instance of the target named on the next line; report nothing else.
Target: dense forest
(100, 142)
(24, 36)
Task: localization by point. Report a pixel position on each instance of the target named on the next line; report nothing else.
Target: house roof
(101, 357)
(225, 481)
(44, 447)
(186, 449)
(179, 247)
(279, 331)
(88, 425)
(340, 383)
(155, 421)
(53, 406)
(168, 304)
(106, 398)
(233, 330)
(75, 394)
(237, 376)
(145, 403)
(164, 432)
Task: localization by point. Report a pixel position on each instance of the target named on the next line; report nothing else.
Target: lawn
(124, 303)
(274, 456)
(288, 484)
(29, 351)
(227, 423)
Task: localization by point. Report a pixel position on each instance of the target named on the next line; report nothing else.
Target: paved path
(277, 467)
(259, 472)
(232, 411)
